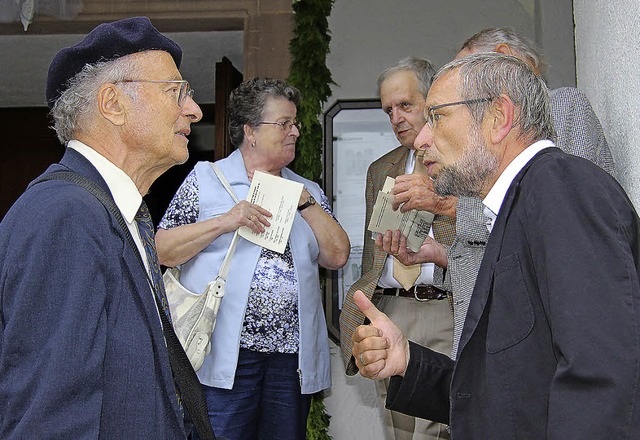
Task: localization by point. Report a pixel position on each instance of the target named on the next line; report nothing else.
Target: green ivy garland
(309, 73)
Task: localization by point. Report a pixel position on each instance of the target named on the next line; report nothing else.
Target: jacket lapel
(484, 282)
(394, 167)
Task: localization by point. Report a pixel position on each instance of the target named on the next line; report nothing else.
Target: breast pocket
(511, 316)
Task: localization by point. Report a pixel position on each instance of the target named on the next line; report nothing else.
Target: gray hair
(248, 100)
(493, 74)
(422, 68)
(487, 39)
(73, 109)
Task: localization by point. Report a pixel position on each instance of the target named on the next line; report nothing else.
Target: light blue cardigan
(219, 366)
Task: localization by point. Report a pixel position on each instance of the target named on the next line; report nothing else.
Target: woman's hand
(180, 244)
(246, 214)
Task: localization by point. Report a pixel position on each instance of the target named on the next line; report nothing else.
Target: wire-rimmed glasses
(432, 117)
(184, 87)
(285, 125)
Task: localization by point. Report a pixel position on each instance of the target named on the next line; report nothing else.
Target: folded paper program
(414, 225)
(280, 197)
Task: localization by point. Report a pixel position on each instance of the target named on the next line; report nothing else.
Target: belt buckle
(415, 295)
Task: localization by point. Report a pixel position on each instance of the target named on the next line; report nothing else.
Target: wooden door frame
(267, 25)
(227, 79)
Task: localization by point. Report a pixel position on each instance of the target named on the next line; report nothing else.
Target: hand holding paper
(280, 197)
(249, 215)
(414, 225)
(415, 191)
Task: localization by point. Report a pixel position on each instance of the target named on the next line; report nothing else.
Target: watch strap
(310, 201)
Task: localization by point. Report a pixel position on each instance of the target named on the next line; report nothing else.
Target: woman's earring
(253, 145)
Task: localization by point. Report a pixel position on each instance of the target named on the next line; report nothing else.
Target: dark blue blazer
(82, 354)
(551, 343)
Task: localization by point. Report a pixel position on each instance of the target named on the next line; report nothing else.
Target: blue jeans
(265, 402)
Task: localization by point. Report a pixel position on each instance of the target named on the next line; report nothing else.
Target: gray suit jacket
(579, 133)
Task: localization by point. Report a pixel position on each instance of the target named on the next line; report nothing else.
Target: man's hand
(415, 191)
(380, 349)
(394, 243)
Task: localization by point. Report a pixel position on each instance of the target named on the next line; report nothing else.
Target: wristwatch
(310, 201)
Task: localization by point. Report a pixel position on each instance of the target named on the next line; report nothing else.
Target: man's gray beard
(467, 176)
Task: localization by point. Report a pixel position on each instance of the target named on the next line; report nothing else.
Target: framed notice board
(356, 132)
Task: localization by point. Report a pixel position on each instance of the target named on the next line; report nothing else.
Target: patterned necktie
(145, 226)
(407, 275)
(147, 234)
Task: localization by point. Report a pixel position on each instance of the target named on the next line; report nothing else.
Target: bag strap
(188, 383)
(224, 268)
(226, 263)
(224, 181)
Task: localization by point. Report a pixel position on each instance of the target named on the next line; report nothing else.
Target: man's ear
(110, 105)
(502, 112)
(504, 49)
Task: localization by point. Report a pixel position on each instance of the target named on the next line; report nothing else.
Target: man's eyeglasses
(182, 90)
(285, 125)
(433, 117)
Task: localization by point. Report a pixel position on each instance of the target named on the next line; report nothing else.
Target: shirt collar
(124, 191)
(411, 161)
(490, 218)
(495, 197)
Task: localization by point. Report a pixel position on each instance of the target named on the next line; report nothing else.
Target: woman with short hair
(270, 349)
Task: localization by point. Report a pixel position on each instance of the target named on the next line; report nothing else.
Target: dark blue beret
(106, 42)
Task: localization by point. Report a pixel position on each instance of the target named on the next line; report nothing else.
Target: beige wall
(370, 35)
(608, 56)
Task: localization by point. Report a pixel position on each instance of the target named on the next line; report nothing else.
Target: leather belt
(420, 292)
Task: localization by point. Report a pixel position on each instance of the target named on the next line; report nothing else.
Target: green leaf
(318, 420)
(309, 74)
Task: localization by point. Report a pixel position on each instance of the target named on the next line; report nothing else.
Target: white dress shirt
(495, 197)
(426, 273)
(124, 191)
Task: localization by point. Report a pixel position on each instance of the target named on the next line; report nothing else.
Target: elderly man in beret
(83, 349)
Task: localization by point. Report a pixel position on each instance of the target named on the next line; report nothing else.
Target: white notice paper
(414, 225)
(280, 197)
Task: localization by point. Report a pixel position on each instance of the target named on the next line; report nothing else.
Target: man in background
(421, 309)
(82, 349)
(578, 129)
